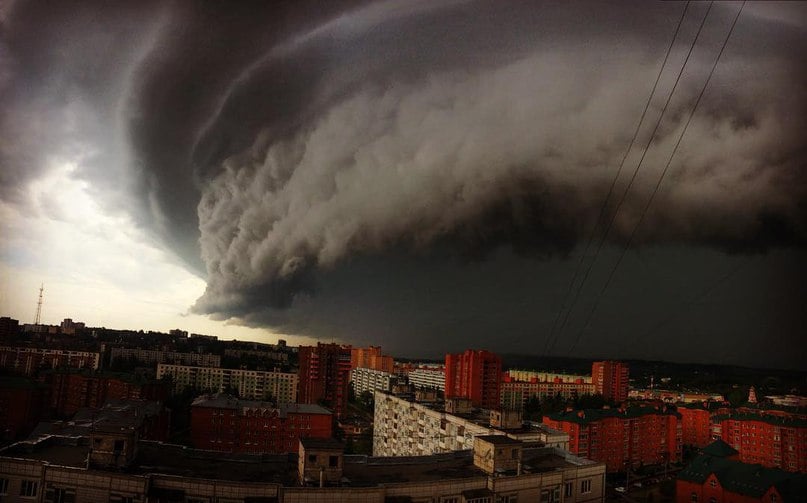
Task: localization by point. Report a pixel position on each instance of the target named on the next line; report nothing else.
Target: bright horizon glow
(97, 268)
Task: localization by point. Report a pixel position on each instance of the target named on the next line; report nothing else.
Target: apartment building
(71, 390)
(430, 378)
(371, 358)
(363, 379)
(611, 379)
(770, 438)
(622, 437)
(154, 356)
(476, 375)
(324, 375)
(406, 428)
(520, 386)
(120, 468)
(28, 361)
(280, 387)
(221, 422)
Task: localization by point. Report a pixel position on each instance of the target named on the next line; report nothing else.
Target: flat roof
(322, 443)
(498, 439)
(359, 470)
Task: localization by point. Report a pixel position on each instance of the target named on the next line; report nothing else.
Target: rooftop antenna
(39, 305)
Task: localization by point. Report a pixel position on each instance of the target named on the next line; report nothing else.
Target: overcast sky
(421, 175)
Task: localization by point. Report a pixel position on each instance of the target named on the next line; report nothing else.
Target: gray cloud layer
(277, 146)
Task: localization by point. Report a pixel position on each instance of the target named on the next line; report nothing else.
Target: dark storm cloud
(283, 142)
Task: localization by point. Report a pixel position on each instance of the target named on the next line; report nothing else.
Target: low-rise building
(718, 475)
(221, 422)
(23, 402)
(280, 387)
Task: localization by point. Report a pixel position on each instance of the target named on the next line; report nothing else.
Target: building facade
(770, 438)
(72, 390)
(406, 428)
(428, 378)
(519, 387)
(611, 379)
(221, 422)
(622, 437)
(324, 375)
(476, 375)
(28, 361)
(122, 469)
(371, 358)
(280, 387)
(154, 356)
(370, 380)
(717, 475)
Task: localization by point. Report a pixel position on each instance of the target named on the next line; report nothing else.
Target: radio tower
(39, 305)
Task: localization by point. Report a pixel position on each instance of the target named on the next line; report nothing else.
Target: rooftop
(359, 471)
(227, 401)
(115, 415)
(588, 415)
(498, 440)
(743, 478)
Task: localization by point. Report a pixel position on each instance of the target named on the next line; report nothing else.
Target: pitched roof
(743, 478)
(719, 449)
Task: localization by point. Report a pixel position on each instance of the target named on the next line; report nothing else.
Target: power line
(658, 183)
(635, 172)
(705, 292)
(604, 205)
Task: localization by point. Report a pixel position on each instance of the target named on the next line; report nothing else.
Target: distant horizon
(437, 358)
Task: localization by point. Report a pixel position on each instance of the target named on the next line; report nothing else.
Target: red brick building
(611, 380)
(621, 437)
(476, 375)
(223, 423)
(371, 358)
(23, 403)
(325, 375)
(72, 390)
(772, 439)
(716, 475)
(696, 422)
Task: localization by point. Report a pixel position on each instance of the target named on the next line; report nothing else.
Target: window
(713, 483)
(568, 489)
(712, 500)
(3, 487)
(585, 486)
(57, 495)
(312, 458)
(29, 488)
(333, 461)
(693, 498)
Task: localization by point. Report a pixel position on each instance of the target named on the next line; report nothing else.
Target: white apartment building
(249, 384)
(428, 378)
(370, 380)
(152, 356)
(406, 428)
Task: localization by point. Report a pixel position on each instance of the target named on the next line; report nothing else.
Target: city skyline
(424, 176)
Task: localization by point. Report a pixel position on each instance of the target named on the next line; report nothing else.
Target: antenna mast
(39, 305)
